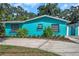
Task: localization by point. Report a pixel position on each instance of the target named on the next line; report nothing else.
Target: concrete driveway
(33, 43)
(62, 48)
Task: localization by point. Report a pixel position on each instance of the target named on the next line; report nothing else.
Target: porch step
(74, 38)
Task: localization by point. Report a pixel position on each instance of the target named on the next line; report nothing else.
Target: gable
(44, 16)
(47, 20)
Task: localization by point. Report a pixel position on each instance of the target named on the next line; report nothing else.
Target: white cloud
(77, 4)
(31, 4)
(30, 7)
(16, 4)
(22, 4)
(65, 6)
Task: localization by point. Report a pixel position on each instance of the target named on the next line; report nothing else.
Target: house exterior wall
(8, 30)
(31, 26)
(76, 29)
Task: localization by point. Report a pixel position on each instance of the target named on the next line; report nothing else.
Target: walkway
(74, 38)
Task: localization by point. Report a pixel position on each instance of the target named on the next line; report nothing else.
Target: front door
(73, 30)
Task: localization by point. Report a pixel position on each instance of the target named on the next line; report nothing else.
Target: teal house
(36, 26)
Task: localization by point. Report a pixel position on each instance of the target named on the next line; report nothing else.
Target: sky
(32, 7)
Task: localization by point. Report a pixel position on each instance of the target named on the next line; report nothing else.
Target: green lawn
(23, 51)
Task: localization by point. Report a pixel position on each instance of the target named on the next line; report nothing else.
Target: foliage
(71, 14)
(48, 32)
(2, 30)
(49, 9)
(22, 33)
(9, 12)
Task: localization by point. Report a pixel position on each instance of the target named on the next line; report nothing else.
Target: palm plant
(48, 32)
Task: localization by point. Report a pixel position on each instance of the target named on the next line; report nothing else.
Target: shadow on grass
(2, 39)
(10, 50)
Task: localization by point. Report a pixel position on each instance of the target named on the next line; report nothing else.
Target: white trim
(36, 18)
(67, 31)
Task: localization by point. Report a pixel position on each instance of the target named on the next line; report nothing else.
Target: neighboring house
(36, 26)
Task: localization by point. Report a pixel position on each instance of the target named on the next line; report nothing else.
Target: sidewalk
(75, 39)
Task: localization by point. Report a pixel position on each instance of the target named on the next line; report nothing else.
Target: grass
(23, 51)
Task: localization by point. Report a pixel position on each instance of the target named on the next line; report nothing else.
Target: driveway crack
(43, 43)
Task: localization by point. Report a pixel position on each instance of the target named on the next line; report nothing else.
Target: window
(40, 26)
(55, 27)
(14, 27)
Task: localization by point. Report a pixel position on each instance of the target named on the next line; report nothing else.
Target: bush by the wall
(48, 32)
(2, 30)
(22, 33)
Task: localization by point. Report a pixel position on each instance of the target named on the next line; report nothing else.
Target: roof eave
(35, 18)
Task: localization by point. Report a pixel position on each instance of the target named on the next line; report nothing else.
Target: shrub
(48, 32)
(22, 33)
(34, 36)
(38, 36)
(2, 30)
(29, 36)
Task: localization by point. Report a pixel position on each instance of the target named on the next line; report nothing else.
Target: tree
(71, 14)
(9, 13)
(65, 14)
(49, 9)
(31, 15)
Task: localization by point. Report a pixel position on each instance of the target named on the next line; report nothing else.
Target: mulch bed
(62, 39)
(55, 38)
(58, 39)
